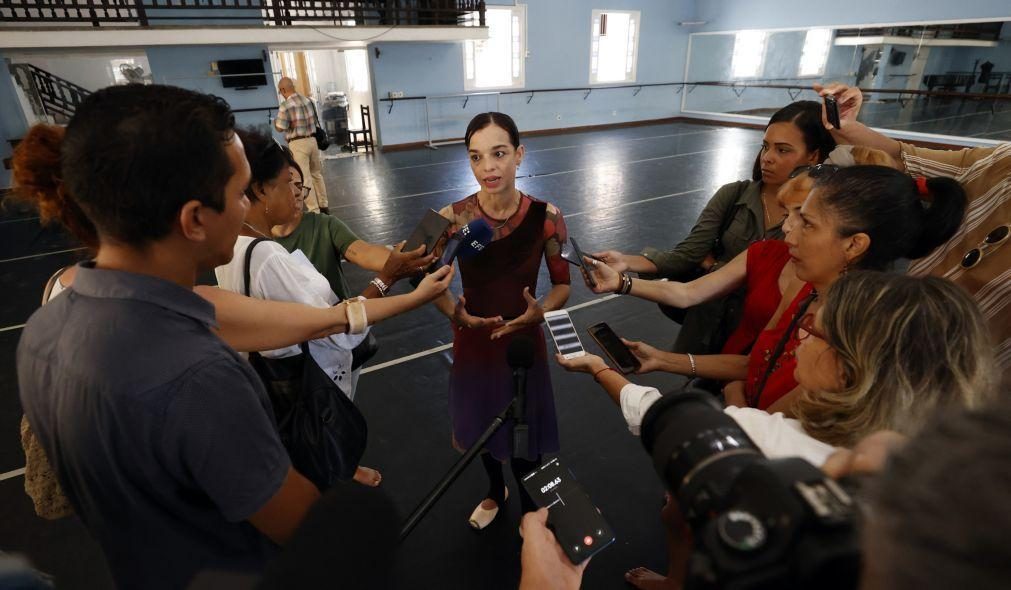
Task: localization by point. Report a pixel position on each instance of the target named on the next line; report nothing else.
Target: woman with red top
(862, 217)
(498, 304)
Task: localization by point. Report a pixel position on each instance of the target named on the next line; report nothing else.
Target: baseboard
(398, 147)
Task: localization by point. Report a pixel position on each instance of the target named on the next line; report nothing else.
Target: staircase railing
(57, 95)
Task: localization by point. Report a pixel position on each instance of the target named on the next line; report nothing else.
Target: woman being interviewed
(498, 303)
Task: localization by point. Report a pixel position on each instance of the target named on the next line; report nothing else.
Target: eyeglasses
(815, 171)
(304, 192)
(995, 237)
(805, 328)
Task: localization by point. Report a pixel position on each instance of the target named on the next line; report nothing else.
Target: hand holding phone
(614, 348)
(578, 525)
(580, 258)
(564, 334)
(832, 111)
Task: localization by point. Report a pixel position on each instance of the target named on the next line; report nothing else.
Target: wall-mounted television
(242, 73)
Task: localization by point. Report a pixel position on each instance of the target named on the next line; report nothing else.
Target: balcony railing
(338, 13)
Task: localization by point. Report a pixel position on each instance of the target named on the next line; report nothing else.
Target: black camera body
(756, 522)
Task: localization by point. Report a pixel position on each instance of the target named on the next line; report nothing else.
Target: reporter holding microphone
(498, 304)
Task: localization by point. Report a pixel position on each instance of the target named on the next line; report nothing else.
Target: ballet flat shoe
(481, 517)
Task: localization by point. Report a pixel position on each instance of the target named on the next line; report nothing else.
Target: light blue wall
(558, 41)
(12, 121)
(188, 66)
(726, 15)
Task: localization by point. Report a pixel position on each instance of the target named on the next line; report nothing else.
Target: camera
(756, 522)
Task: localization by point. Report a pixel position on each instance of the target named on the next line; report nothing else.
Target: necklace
(765, 209)
(506, 220)
(257, 231)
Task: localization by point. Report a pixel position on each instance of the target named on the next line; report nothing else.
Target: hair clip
(921, 187)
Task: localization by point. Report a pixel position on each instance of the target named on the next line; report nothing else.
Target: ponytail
(37, 181)
(903, 218)
(945, 205)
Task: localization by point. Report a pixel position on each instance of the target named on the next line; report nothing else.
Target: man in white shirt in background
(297, 119)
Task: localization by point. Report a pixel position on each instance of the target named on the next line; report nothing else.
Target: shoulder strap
(313, 105)
(246, 263)
(51, 283)
(781, 345)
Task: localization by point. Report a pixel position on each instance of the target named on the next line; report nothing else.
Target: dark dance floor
(621, 189)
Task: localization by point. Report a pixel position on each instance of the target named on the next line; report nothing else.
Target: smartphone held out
(614, 348)
(564, 334)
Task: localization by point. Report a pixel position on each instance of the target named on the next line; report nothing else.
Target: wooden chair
(363, 137)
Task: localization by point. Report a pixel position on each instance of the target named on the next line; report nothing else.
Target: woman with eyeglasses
(862, 217)
(884, 352)
(274, 193)
(326, 240)
(739, 214)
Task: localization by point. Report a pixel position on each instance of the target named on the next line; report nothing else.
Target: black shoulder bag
(322, 139)
(324, 432)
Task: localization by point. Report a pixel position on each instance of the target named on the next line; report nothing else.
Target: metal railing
(56, 95)
(337, 13)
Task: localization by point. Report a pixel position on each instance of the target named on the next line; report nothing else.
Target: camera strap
(781, 345)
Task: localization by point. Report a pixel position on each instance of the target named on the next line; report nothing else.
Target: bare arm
(368, 256)
(281, 515)
(249, 324)
(723, 367)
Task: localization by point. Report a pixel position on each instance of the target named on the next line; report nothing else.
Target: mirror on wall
(945, 79)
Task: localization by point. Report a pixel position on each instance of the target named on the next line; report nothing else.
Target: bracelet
(605, 369)
(357, 318)
(625, 285)
(380, 285)
(691, 359)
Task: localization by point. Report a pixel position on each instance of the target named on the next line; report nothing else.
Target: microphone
(520, 357)
(468, 242)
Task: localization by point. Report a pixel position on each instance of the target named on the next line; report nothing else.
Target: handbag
(678, 313)
(324, 432)
(322, 139)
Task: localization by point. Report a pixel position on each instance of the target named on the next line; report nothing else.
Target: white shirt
(775, 435)
(277, 275)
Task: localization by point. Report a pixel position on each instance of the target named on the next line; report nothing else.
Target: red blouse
(766, 259)
(781, 380)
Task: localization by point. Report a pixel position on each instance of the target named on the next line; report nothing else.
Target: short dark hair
(266, 157)
(806, 116)
(488, 119)
(133, 155)
(886, 205)
(939, 514)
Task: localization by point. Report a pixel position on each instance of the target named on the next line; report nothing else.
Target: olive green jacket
(707, 326)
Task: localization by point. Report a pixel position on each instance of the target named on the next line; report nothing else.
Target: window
(817, 44)
(498, 61)
(749, 53)
(357, 66)
(614, 46)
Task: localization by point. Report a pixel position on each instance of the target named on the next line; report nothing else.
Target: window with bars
(614, 46)
(499, 60)
(817, 44)
(749, 54)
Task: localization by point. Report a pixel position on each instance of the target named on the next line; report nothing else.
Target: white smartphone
(564, 334)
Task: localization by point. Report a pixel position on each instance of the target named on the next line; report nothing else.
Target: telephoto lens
(756, 523)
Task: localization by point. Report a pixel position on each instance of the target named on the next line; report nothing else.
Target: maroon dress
(481, 383)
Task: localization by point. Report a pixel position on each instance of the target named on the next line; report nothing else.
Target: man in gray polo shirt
(162, 436)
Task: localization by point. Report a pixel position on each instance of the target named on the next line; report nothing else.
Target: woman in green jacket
(738, 214)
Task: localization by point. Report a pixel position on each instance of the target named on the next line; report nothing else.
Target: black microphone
(520, 356)
(469, 241)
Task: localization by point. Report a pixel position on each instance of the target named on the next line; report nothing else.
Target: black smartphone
(582, 263)
(578, 525)
(428, 232)
(615, 349)
(832, 111)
